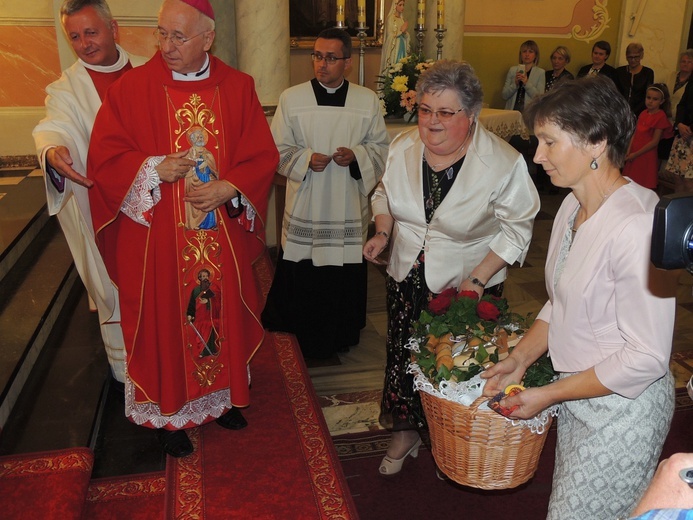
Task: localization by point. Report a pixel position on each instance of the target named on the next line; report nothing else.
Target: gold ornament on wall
(601, 16)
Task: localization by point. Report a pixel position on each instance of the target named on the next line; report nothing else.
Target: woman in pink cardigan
(608, 335)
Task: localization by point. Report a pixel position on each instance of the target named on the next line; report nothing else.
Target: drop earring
(593, 164)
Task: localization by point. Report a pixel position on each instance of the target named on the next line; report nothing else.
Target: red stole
(103, 80)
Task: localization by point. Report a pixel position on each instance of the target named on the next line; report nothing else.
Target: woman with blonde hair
(560, 57)
(525, 81)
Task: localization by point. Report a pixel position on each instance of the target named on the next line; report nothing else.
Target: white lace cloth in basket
(466, 392)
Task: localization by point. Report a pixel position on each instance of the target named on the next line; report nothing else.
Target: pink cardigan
(601, 314)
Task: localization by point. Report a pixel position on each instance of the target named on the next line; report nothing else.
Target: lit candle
(441, 14)
(420, 10)
(361, 9)
(340, 11)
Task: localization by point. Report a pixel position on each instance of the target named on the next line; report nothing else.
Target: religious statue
(396, 37)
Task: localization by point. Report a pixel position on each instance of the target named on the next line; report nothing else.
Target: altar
(504, 123)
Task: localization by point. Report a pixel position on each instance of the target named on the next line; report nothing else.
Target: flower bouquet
(462, 335)
(397, 87)
(454, 340)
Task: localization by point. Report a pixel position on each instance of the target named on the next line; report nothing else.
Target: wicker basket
(480, 448)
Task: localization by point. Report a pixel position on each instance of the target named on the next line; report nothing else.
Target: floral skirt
(401, 408)
(681, 159)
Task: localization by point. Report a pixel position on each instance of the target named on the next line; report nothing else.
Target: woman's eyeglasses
(441, 115)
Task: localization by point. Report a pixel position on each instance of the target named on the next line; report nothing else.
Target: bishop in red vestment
(138, 160)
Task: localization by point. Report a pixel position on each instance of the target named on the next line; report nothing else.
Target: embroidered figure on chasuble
(205, 170)
(203, 315)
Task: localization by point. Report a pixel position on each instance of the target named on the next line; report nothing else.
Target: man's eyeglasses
(442, 115)
(175, 39)
(330, 60)
(634, 57)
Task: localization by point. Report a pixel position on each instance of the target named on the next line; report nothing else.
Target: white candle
(340, 11)
(361, 17)
(441, 14)
(420, 11)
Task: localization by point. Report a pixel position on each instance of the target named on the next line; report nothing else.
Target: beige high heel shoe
(390, 466)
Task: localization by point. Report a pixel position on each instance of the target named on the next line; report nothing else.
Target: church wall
(32, 52)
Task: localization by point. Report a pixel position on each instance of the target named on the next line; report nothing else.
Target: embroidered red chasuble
(190, 305)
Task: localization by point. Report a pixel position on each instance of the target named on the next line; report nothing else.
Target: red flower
(441, 303)
(487, 311)
(469, 294)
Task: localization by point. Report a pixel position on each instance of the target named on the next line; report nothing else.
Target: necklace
(601, 202)
(434, 184)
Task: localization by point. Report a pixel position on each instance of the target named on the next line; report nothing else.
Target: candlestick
(420, 13)
(440, 34)
(340, 13)
(362, 52)
(420, 34)
(361, 11)
(441, 14)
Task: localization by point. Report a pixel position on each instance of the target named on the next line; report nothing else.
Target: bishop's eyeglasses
(329, 59)
(175, 39)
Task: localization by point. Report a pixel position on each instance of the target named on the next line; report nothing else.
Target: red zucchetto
(201, 5)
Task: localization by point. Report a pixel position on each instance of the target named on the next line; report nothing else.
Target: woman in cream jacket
(459, 206)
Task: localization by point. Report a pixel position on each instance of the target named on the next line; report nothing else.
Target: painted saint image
(205, 170)
(203, 314)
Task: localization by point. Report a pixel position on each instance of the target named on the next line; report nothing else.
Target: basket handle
(478, 402)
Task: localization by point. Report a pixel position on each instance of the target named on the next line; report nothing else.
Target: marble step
(22, 216)
(33, 292)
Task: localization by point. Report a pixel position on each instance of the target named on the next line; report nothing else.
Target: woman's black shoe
(232, 420)
(175, 442)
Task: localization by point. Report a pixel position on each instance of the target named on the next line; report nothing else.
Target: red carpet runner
(283, 465)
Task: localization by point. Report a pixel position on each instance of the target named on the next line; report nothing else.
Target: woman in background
(633, 79)
(605, 326)
(680, 161)
(525, 81)
(680, 78)
(560, 58)
(459, 206)
(396, 40)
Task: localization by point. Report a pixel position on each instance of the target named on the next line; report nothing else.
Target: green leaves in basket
(482, 325)
(539, 373)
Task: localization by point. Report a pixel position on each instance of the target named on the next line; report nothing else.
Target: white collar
(332, 90)
(122, 60)
(201, 74)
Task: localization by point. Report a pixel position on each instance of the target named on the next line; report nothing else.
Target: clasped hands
(343, 157)
(206, 197)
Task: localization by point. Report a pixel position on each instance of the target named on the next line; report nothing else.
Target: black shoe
(232, 420)
(174, 442)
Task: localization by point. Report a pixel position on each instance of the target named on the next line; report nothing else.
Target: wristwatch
(476, 281)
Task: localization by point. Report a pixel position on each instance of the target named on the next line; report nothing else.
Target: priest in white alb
(62, 141)
(333, 144)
